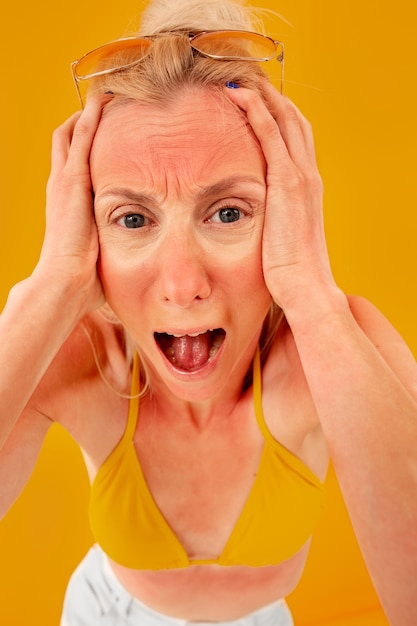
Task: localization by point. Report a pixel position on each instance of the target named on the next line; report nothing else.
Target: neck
(188, 407)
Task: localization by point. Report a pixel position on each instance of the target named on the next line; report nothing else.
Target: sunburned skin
(179, 204)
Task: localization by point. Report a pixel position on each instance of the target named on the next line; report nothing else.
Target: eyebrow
(227, 184)
(218, 188)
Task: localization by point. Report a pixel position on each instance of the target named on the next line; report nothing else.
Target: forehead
(196, 131)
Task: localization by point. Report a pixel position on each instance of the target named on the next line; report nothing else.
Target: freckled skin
(185, 269)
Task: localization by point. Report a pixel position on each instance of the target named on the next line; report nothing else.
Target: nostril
(185, 286)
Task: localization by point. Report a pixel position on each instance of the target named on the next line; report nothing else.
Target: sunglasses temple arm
(77, 87)
(280, 59)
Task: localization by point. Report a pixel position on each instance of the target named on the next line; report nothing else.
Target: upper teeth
(201, 332)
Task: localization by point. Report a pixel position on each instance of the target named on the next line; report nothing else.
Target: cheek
(120, 278)
(112, 286)
(245, 265)
(243, 277)
(252, 280)
(251, 285)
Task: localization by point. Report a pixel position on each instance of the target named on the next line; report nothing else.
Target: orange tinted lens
(235, 45)
(112, 56)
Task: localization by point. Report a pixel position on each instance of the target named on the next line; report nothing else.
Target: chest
(200, 481)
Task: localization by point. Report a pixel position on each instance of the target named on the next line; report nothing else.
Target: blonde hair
(195, 15)
(170, 66)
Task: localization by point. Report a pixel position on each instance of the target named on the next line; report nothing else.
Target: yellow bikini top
(276, 521)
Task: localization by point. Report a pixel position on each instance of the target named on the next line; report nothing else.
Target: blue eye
(133, 220)
(229, 214)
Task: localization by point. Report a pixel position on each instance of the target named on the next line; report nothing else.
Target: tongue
(191, 352)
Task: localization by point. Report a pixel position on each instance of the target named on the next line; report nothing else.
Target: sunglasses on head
(223, 45)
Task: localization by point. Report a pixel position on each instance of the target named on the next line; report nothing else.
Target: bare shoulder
(81, 391)
(84, 377)
(288, 406)
(372, 321)
(387, 341)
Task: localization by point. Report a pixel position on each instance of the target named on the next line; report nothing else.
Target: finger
(75, 135)
(83, 134)
(278, 128)
(263, 124)
(61, 141)
(279, 105)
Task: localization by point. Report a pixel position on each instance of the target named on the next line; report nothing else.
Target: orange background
(350, 67)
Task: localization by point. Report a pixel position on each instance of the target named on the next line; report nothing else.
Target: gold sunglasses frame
(278, 53)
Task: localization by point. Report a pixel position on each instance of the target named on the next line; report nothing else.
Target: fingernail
(232, 85)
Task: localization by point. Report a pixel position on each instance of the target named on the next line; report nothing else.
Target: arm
(366, 400)
(19, 455)
(362, 377)
(43, 311)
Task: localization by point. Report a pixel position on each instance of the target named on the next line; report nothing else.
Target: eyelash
(118, 218)
(233, 206)
(127, 215)
(243, 212)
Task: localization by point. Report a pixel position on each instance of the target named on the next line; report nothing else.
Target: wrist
(47, 301)
(308, 308)
(78, 295)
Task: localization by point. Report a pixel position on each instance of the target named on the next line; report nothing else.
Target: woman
(184, 326)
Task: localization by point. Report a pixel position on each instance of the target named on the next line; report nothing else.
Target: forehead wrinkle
(219, 187)
(177, 134)
(175, 120)
(175, 166)
(171, 151)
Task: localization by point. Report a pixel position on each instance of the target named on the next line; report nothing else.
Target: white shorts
(95, 597)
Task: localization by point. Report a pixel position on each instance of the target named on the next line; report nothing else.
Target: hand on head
(70, 249)
(294, 248)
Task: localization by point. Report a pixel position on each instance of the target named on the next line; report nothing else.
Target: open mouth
(191, 352)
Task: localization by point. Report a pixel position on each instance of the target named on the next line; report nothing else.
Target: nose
(183, 273)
